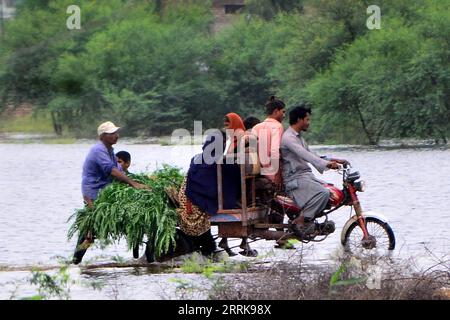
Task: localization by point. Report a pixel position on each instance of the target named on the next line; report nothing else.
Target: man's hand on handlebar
(344, 162)
(333, 165)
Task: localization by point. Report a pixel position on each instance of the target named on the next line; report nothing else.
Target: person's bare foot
(244, 245)
(224, 245)
(246, 250)
(249, 253)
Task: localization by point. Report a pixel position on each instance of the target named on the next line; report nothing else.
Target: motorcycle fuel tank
(336, 195)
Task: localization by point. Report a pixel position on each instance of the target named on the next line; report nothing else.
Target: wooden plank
(270, 225)
(235, 211)
(233, 230)
(239, 211)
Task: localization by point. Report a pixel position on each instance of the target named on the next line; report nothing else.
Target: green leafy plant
(123, 211)
(49, 286)
(336, 279)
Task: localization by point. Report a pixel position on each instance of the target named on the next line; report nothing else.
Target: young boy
(124, 160)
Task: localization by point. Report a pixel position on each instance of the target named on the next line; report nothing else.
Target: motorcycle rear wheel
(382, 238)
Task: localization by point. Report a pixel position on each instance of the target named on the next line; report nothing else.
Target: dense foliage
(137, 215)
(154, 68)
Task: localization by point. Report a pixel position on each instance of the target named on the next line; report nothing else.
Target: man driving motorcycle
(307, 191)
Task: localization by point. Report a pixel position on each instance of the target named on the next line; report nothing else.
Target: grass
(37, 123)
(40, 140)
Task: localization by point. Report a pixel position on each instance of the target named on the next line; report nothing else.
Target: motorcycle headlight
(360, 186)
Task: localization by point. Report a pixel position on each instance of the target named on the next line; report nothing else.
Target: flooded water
(40, 189)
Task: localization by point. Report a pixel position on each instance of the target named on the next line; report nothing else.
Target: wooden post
(243, 195)
(253, 192)
(219, 186)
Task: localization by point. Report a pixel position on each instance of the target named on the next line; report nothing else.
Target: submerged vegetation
(197, 263)
(136, 214)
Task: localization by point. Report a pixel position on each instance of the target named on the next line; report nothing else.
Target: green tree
(393, 82)
(153, 66)
(311, 46)
(268, 9)
(38, 36)
(150, 73)
(244, 56)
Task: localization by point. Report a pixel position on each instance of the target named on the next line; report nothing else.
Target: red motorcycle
(363, 231)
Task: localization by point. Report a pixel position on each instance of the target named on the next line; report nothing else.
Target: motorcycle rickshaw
(363, 231)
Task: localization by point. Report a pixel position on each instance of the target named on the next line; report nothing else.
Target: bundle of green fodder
(123, 211)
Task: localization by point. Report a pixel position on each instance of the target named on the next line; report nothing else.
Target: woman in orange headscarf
(234, 121)
(198, 194)
(235, 129)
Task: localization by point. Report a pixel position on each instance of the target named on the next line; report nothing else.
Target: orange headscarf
(237, 125)
(236, 122)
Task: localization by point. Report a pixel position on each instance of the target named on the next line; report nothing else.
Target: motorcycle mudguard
(366, 214)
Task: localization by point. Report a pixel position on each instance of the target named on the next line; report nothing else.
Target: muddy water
(40, 189)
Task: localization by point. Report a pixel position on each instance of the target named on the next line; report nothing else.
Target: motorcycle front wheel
(381, 237)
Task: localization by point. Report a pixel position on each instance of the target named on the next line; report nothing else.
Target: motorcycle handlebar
(344, 167)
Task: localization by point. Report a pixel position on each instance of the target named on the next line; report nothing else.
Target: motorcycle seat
(287, 202)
